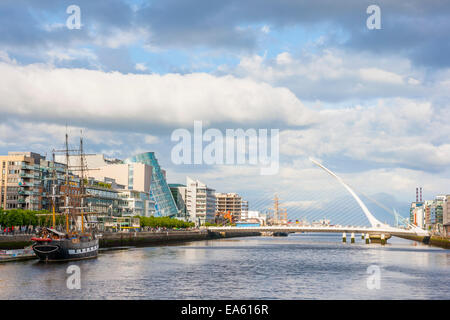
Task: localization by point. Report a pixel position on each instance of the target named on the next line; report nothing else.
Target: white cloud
(378, 75)
(399, 132)
(140, 67)
(117, 38)
(148, 139)
(62, 54)
(5, 58)
(43, 137)
(90, 96)
(333, 75)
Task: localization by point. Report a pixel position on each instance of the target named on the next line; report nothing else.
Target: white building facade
(200, 202)
(139, 203)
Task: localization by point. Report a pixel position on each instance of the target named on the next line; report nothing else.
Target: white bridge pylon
(375, 223)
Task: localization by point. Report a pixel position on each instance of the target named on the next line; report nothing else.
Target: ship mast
(70, 195)
(82, 184)
(66, 189)
(53, 191)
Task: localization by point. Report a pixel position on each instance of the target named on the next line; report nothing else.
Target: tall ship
(76, 241)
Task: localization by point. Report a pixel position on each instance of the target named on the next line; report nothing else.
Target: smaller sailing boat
(52, 245)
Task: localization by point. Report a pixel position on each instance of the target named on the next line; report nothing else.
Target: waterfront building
(134, 176)
(253, 215)
(439, 208)
(231, 203)
(138, 203)
(159, 189)
(200, 202)
(53, 181)
(244, 208)
(433, 213)
(179, 192)
(20, 181)
(417, 214)
(430, 213)
(104, 197)
(446, 216)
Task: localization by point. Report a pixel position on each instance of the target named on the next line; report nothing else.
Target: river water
(301, 266)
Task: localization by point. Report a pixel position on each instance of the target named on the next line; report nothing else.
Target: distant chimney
(417, 194)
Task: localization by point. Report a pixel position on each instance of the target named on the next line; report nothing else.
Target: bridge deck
(330, 229)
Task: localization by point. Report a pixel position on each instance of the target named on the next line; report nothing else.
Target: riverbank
(137, 239)
(433, 240)
(119, 239)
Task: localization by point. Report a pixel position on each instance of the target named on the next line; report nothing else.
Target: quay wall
(121, 239)
(433, 240)
(117, 239)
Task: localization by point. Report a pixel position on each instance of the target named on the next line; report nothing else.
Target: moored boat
(75, 243)
(54, 246)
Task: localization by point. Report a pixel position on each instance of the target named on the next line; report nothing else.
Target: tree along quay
(119, 239)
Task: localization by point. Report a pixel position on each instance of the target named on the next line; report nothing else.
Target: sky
(371, 105)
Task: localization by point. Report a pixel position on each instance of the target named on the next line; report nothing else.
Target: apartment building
(20, 181)
(200, 202)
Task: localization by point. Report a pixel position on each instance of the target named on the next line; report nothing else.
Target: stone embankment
(121, 239)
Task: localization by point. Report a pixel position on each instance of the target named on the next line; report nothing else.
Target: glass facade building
(159, 190)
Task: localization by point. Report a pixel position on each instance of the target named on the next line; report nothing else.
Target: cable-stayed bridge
(376, 231)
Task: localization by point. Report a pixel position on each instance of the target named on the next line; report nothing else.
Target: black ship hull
(65, 250)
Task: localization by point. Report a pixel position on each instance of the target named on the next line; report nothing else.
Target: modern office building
(104, 198)
(139, 173)
(134, 176)
(53, 181)
(159, 189)
(138, 203)
(233, 204)
(200, 202)
(439, 211)
(433, 213)
(179, 192)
